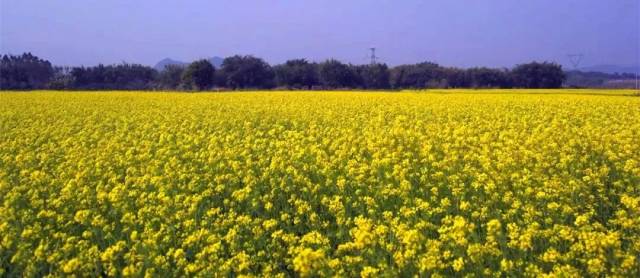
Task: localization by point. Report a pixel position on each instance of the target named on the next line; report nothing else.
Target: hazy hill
(612, 69)
(165, 62)
(215, 60)
(581, 79)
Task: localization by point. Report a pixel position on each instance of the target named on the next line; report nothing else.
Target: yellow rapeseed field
(464, 183)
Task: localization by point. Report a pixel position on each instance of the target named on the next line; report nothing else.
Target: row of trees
(247, 72)
(24, 72)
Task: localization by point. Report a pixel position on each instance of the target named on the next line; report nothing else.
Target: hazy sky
(497, 33)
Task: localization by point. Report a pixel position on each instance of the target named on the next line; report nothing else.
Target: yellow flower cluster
(332, 184)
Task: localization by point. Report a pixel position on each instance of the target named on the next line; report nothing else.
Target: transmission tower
(374, 58)
(575, 59)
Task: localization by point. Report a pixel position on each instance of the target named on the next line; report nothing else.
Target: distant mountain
(167, 61)
(215, 60)
(611, 69)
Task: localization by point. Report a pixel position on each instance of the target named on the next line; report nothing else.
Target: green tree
(24, 72)
(61, 79)
(242, 72)
(416, 76)
(198, 75)
(489, 78)
(374, 76)
(113, 77)
(334, 74)
(538, 75)
(170, 77)
(297, 73)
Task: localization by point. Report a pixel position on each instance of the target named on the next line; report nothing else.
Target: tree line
(581, 79)
(28, 72)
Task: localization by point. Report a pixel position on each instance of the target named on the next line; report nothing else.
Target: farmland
(493, 183)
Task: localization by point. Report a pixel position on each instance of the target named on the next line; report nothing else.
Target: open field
(331, 183)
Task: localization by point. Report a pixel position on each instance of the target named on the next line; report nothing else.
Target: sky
(462, 33)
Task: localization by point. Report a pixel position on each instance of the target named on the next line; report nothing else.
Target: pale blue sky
(498, 33)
